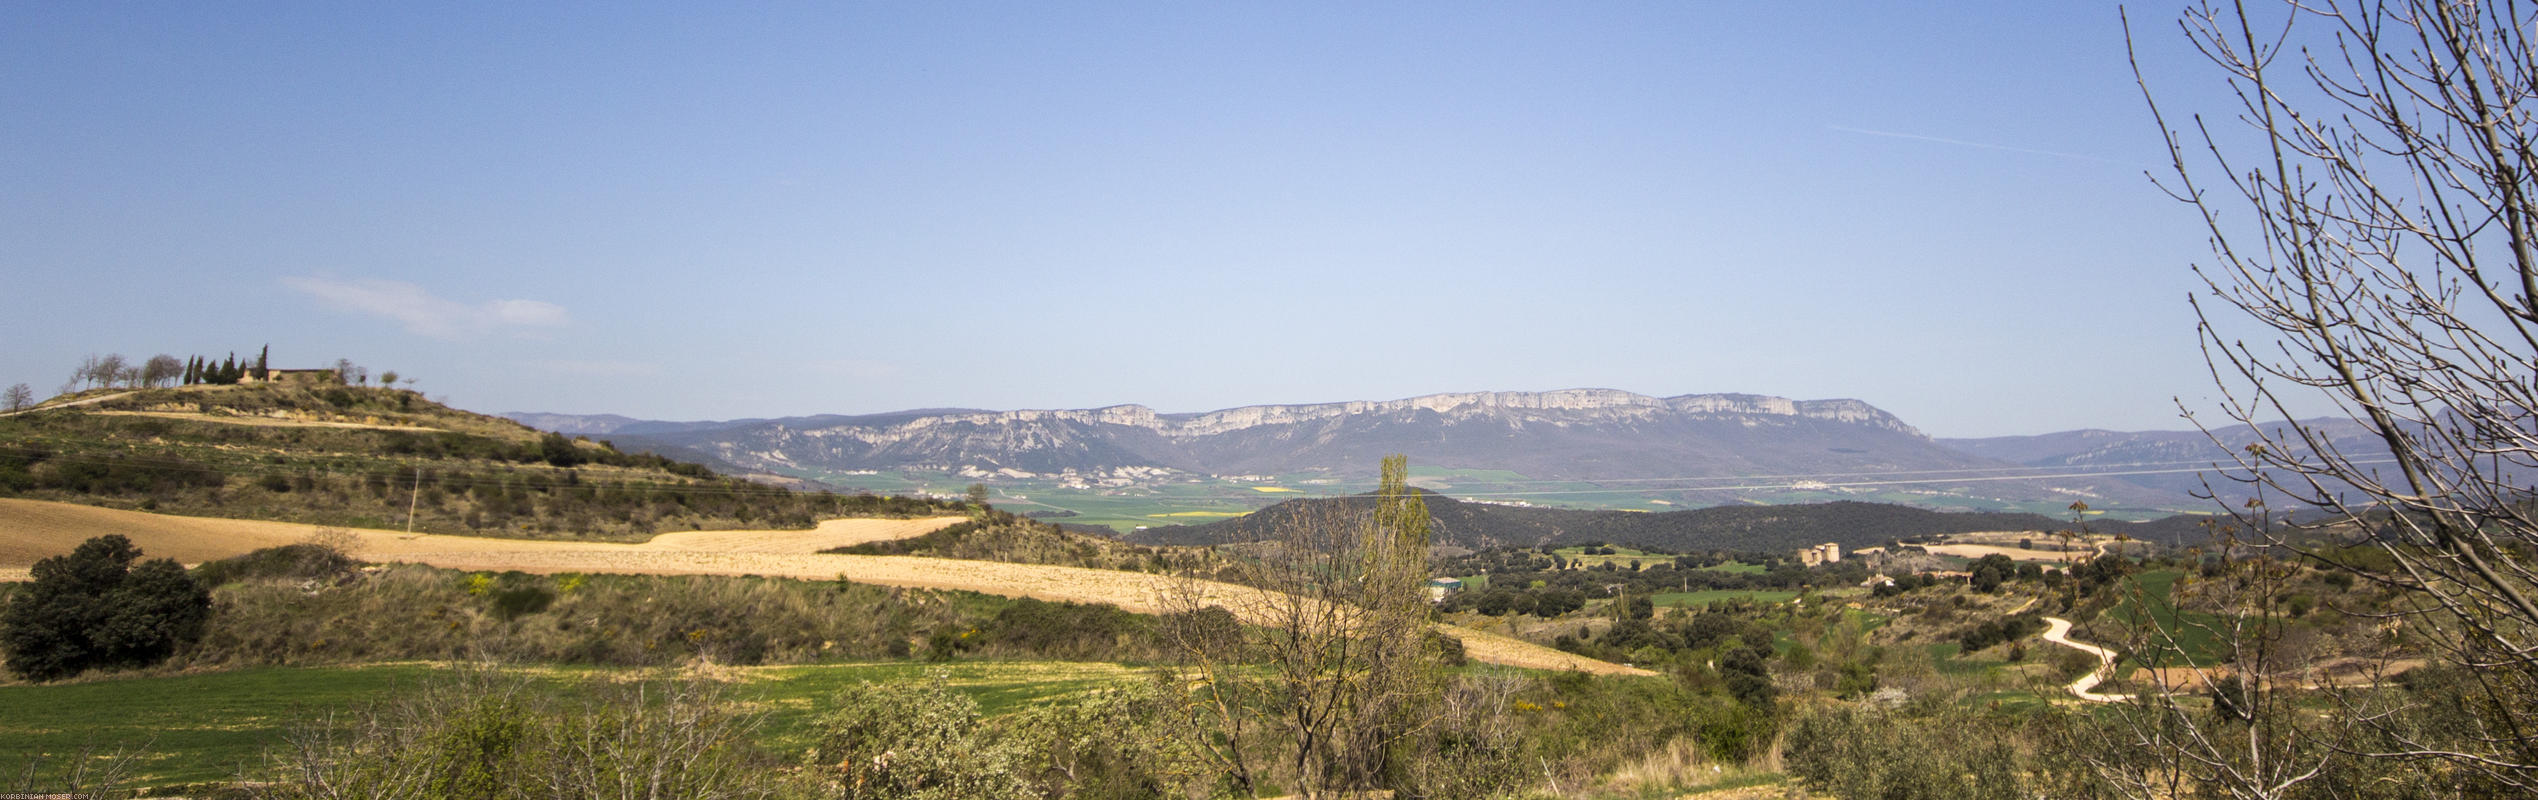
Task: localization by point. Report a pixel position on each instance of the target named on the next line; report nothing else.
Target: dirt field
(1981, 550)
(31, 530)
(1978, 545)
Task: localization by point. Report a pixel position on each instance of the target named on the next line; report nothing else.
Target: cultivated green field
(217, 726)
(2194, 630)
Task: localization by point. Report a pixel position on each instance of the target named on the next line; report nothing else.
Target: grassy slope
(364, 457)
(2155, 605)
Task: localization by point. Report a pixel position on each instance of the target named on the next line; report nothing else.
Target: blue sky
(698, 212)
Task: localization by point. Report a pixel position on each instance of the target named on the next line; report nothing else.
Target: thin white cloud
(424, 313)
(1963, 143)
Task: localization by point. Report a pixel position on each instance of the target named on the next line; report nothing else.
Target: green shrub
(1068, 631)
(94, 608)
(914, 741)
(303, 561)
(1109, 743)
(1943, 754)
(517, 594)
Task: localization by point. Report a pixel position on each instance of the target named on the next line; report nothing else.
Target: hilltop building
(1825, 553)
(304, 377)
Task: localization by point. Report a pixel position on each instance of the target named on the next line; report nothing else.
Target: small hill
(1729, 528)
(370, 457)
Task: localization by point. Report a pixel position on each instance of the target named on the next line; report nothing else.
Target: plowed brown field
(31, 530)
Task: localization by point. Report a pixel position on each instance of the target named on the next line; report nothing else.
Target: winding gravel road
(2057, 631)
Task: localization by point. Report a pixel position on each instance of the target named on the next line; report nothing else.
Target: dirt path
(31, 530)
(80, 402)
(2057, 631)
(262, 422)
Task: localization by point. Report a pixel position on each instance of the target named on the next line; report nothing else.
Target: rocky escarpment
(1567, 405)
(1566, 434)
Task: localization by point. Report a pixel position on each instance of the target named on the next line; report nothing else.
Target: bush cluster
(1927, 753)
(274, 616)
(995, 535)
(306, 561)
(96, 609)
(1998, 630)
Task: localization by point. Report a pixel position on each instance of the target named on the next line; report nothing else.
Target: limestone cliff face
(1566, 433)
(1573, 405)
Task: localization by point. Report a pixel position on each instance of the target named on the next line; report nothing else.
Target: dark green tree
(1989, 572)
(559, 451)
(96, 608)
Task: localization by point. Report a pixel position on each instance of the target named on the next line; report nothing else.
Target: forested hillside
(1730, 528)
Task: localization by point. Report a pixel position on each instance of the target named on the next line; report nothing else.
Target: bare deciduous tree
(108, 370)
(2226, 709)
(2372, 201)
(1342, 668)
(18, 397)
(82, 376)
(161, 370)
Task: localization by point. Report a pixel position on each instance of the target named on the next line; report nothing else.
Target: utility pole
(412, 496)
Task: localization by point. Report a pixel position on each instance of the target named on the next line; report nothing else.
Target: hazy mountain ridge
(1567, 433)
(2173, 461)
(1728, 443)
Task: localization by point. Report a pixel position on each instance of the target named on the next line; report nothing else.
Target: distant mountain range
(2168, 461)
(1718, 448)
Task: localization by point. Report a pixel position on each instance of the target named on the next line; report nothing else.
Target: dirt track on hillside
(82, 402)
(31, 530)
(2058, 631)
(263, 422)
